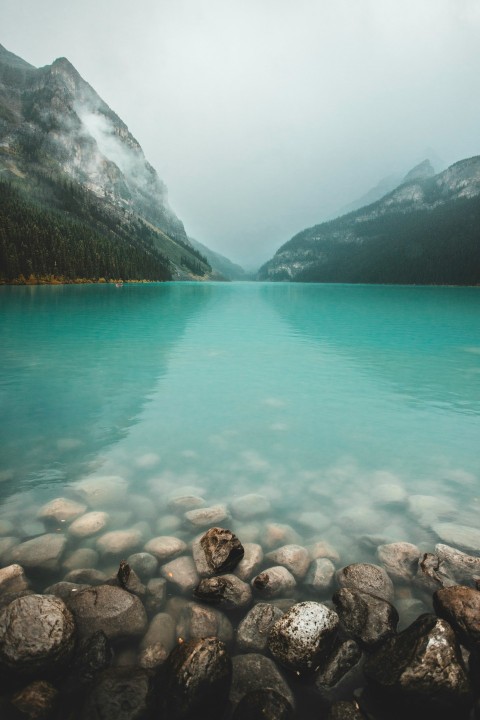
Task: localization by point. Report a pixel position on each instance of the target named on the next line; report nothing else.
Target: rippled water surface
(337, 403)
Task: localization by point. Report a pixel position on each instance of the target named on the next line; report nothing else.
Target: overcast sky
(265, 116)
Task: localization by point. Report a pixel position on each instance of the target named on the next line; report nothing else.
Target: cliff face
(53, 125)
(427, 230)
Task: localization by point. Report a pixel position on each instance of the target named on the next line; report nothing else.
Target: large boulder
(39, 554)
(368, 578)
(217, 551)
(117, 612)
(197, 680)
(366, 618)
(303, 636)
(37, 635)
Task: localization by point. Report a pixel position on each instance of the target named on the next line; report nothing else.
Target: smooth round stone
(99, 492)
(319, 578)
(463, 537)
(226, 591)
(89, 524)
(142, 507)
(12, 579)
(144, 564)
(167, 524)
(6, 546)
(303, 635)
(158, 641)
(156, 595)
(277, 534)
(323, 549)
(249, 532)
(389, 494)
(252, 633)
(80, 558)
(208, 516)
(368, 578)
(40, 553)
(87, 576)
(64, 589)
(274, 582)
(428, 509)
(197, 621)
(165, 547)
(294, 557)
(119, 519)
(250, 506)
(181, 573)
(182, 503)
(119, 542)
(37, 634)
(251, 562)
(37, 701)
(118, 613)
(254, 671)
(400, 560)
(61, 510)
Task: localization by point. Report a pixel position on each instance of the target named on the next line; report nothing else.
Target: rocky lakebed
(111, 609)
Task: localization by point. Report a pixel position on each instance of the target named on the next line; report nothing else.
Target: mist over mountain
(78, 197)
(426, 231)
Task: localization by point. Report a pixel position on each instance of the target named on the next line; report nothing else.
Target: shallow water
(337, 401)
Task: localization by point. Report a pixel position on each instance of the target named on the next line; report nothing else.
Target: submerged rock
(119, 542)
(250, 506)
(277, 534)
(251, 561)
(40, 553)
(120, 693)
(264, 704)
(226, 591)
(181, 573)
(253, 672)
(144, 564)
(158, 641)
(37, 701)
(80, 558)
(165, 547)
(197, 680)
(116, 612)
(345, 710)
(366, 618)
(303, 636)
(323, 549)
(400, 560)
(86, 576)
(205, 517)
(368, 578)
(61, 510)
(463, 537)
(464, 569)
(217, 551)
(155, 595)
(12, 580)
(294, 557)
(320, 575)
(428, 509)
(274, 582)
(92, 654)
(37, 635)
(252, 633)
(89, 524)
(104, 491)
(197, 621)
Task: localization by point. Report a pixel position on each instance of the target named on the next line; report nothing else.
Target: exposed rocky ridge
(425, 231)
(58, 137)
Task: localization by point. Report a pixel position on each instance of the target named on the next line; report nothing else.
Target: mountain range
(78, 199)
(425, 231)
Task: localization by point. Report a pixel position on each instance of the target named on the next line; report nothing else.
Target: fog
(264, 117)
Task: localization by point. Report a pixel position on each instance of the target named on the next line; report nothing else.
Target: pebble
(12, 579)
(183, 503)
(275, 582)
(366, 577)
(165, 547)
(181, 573)
(119, 542)
(89, 524)
(116, 612)
(226, 591)
(320, 575)
(294, 557)
(252, 632)
(144, 564)
(40, 553)
(208, 516)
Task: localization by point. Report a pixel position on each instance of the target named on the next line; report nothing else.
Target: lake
(353, 411)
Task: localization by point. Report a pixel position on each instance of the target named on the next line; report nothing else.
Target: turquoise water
(319, 397)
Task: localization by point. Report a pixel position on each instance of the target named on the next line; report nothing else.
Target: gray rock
(314, 521)
(168, 524)
(252, 633)
(37, 701)
(429, 575)
(400, 560)
(197, 621)
(89, 524)
(197, 680)
(462, 537)
(181, 573)
(37, 635)
(119, 543)
(366, 618)
(6, 546)
(263, 704)
(80, 558)
(156, 595)
(421, 669)
(12, 580)
(251, 561)
(217, 551)
(277, 534)
(226, 591)
(250, 506)
(390, 494)
(366, 577)
(144, 564)
(158, 641)
(99, 492)
(460, 607)
(40, 553)
(303, 636)
(6, 527)
(116, 612)
(252, 672)
(319, 578)
(165, 547)
(274, 582)
(345, 656)
(428, 509)
(86, 576)
(294, 557)
(208, 516)
(63, 590)
(184, 503)
(120, 693)
(323, 549)
(60, 511)
(463, 568)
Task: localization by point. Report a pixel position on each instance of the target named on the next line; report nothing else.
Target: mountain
(78, 198)
(225, 268)
(426, 231)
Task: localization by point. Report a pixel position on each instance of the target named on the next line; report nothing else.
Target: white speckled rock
(275, 582)
(303, 635)
(319, 578)
(40, 553)
(208, 516)
(165, 547)
(120, 542)
(250, 563)
(181, 573)
(250, 506)
(89, 524)
(294, 557)
(99, 492)
(61, 510)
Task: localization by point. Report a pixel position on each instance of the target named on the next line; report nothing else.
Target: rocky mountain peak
(422, 171)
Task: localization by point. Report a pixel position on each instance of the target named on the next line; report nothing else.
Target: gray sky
(265, 116)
